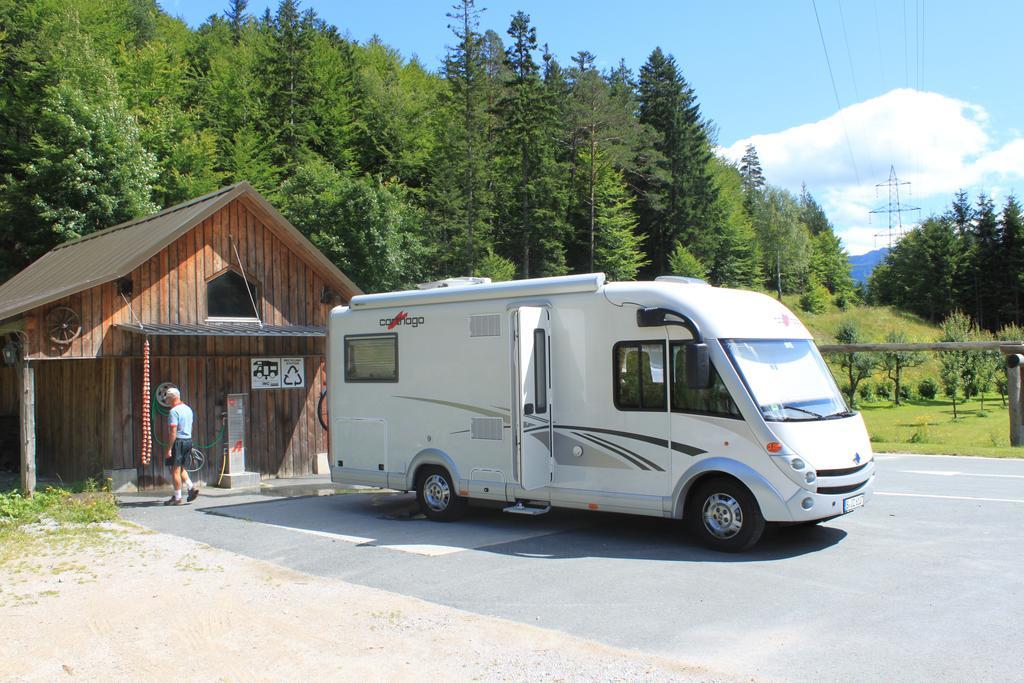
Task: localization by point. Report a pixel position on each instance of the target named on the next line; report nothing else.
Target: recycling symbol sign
(278, 373)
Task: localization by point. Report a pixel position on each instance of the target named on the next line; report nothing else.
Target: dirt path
(103, 610)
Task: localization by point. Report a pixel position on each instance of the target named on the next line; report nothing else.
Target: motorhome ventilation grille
(489, 428)
(485, 325)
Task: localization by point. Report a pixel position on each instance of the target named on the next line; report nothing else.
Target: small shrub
(876, 438)
(815, 299)
(927, 388)
(884, 390)
(906, 393)
(865, 391)
(920, 435)
(843, 300)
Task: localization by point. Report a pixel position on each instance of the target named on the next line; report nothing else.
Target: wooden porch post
(27, 413)
(1014, 398)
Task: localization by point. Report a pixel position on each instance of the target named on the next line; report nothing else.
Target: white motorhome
(668, 398)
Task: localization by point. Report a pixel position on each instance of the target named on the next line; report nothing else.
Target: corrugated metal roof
(105, 255)
(224, 330)
(115, 252)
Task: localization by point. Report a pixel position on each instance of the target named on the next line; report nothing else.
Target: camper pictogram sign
(278, 373)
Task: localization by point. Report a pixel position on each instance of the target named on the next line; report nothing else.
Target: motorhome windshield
(787, 378)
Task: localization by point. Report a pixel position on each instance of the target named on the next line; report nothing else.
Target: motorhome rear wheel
(724, 515)
(437, 495)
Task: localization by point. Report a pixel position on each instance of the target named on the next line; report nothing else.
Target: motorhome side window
(371, 358)
(639, 375)
(715, 400)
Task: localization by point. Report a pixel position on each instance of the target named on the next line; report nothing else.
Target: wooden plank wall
(73, 439)
(171, 288)
(8, 392)
(282, 432)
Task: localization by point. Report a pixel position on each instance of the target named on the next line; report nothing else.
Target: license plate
(852, 503)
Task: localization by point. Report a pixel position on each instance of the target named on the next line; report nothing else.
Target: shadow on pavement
(392, 520)
(121, 503)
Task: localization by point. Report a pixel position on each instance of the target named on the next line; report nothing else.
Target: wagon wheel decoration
(63, 325)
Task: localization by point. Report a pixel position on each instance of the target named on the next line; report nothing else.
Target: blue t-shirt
(181, 416)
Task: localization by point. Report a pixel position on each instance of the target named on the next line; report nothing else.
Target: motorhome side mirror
(698, 366)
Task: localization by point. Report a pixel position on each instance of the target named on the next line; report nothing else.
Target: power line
(849, 57)
(906, 59)
(835, 91)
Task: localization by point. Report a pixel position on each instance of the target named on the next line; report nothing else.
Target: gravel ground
(131, 604)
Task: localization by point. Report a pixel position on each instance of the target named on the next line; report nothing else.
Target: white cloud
(938, 143)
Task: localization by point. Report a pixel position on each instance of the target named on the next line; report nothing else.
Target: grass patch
(928, 427)
(67, 516)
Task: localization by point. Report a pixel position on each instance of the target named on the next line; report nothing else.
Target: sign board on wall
(293, 375)
(277, 373)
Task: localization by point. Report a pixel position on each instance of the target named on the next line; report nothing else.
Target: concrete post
(28, 428)
(1014, 398)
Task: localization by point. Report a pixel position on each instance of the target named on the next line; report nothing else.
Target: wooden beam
(1013, 370)
(1006, 348)
(27, 412)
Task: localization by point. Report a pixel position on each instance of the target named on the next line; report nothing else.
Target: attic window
(226, 297)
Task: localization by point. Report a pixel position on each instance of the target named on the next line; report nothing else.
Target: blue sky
(932, 88)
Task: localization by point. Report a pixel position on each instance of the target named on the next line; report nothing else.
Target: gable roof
(113, 253)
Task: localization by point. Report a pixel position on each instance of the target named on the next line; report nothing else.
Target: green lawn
(923, 426)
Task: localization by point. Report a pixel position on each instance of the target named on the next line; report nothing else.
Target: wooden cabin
(222, 287)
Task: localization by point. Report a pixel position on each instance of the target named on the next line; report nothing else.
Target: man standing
(179, 422)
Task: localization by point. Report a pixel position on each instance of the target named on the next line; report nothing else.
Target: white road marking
(928, 495)
(423, 549)
(950, 473)
(322, 534)
(415, 549)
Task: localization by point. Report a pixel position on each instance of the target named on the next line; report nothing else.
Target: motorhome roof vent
(456, 282)
(680, 279)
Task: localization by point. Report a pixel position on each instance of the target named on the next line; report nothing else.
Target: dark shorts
(180, 450)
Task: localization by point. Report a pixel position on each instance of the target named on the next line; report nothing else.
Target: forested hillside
(505, 160)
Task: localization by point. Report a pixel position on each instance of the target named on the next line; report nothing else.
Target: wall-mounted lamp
(327, 295)
(12, 353)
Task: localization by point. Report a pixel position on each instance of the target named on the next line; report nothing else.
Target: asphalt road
(924, 583)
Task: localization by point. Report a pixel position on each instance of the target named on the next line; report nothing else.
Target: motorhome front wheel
(436, 495)
(724, 515)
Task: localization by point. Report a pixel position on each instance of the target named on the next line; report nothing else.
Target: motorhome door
(532, 363)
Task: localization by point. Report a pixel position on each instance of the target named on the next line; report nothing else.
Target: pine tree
(527, 117)
(750, 169)
(1012, 268)
(986, 259)
(464, 71)
(678, 196)
(289, 88)
(921, 272)
(236, 18)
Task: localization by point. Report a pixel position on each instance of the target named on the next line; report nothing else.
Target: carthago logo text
(402, 318)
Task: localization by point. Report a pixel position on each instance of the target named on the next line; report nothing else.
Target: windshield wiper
(841, 413)
(802, 410)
